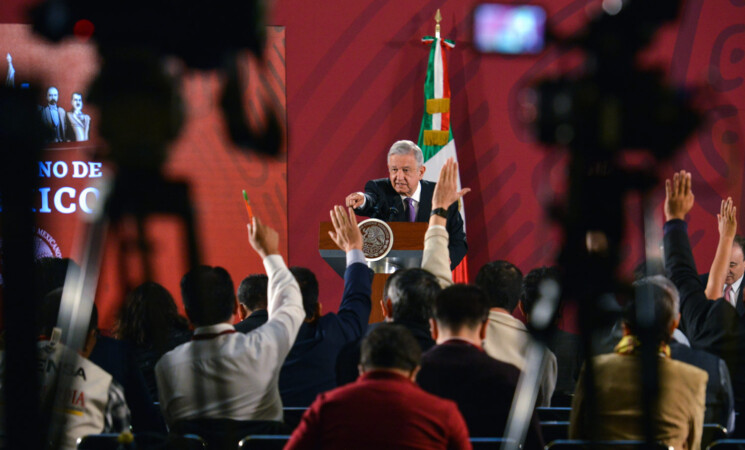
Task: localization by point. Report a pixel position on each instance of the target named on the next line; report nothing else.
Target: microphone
(392, 212)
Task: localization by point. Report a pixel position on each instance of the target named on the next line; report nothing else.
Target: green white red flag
(436, 134)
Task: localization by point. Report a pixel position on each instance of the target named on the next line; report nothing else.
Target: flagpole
(438, 19)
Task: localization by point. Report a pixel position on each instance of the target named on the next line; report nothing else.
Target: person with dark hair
(310, 367)
(53, 117)
(81, 397)
(149, 321)
(222, 374)
(507, 338)
(252, 302)
(458, 369)
(679, 410)
(385, 398)
(564, 345)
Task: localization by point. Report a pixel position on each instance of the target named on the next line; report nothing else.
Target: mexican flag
(435, 134)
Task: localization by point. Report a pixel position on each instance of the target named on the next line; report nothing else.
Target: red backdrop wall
(355, 72)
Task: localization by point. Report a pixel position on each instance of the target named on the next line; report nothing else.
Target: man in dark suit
(711, 325)
(252, 298)
(732, 288)
(457, 368)
(310, 367)
(405, 197)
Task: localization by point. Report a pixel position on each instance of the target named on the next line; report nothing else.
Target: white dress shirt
(234, 375)
(735, 290)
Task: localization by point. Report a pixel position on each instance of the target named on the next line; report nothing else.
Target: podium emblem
(377, 239)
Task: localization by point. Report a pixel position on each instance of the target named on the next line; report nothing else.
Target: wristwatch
(442, 212)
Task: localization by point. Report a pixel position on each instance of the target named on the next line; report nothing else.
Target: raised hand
(446, 191)
(727, 219)
(679, 197)
(346, 234)
(263, 238)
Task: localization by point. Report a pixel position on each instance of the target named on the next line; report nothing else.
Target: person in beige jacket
(678, 421)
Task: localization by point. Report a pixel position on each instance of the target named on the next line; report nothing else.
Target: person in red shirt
(384, 408)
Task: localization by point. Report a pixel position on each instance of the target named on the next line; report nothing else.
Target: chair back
(226, 433)
(263, 442)
(727, 444)
(142, 441)
(489, 443)
(553, 430)
(712, 432)
(580, 444)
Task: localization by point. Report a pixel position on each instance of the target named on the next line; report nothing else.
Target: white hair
(407, 148)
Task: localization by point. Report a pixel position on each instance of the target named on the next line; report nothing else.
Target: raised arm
(435, 257)
(727, 220)
(285, 302)
(354, 311)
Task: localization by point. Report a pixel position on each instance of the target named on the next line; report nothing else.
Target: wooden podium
(408, 243)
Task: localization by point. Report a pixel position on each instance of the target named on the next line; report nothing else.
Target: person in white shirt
(222, 374)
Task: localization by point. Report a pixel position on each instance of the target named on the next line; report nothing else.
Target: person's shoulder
(686, 371)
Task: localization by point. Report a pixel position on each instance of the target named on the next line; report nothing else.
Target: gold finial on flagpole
(438, 19)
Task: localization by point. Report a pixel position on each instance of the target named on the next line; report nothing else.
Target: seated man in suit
(222, 374)
(711, 325)
(405, 197)
(564, 345)
(727, 270)
(507, 338)
(384, 408)
(310, 367)
(252, 300)
(679, 409)
(457, 368)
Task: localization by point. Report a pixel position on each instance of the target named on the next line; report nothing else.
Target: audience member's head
(666, 313)
(390, 347)
(410, 295)
(208, 295)
(502, 282)
(461, 309)
(49, 274)
(532, 285)
(252, 292)
(737, 260)
(47, 319)
(308, 283)
(148, 315)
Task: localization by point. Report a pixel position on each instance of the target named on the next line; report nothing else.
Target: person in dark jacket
(150, 322)
(310, 366)
(252, 298)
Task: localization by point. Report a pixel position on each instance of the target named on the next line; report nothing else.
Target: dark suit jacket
(384, 203)
(253, 321)
(482, 386)
(719, 398)
(739, 305)
(310, 367)
(118, 359)
(713, 326)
